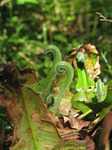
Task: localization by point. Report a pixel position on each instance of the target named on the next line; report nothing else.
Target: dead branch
(103, 18)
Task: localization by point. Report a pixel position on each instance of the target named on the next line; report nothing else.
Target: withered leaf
(76, 123)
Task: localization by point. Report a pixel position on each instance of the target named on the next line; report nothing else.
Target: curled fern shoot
(60, 69)
(55, 51)
(46, 85)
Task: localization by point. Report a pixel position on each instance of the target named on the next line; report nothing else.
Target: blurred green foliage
(27, 26)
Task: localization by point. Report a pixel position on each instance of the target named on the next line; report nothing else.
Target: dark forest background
(27, 26)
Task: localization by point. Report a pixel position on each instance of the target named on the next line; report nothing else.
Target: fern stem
(47, 84)
(60, 68)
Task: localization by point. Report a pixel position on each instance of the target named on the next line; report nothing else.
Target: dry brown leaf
(65, 132)
(78, 123)
(8, 138)
(68, 128)
(90, 145)
(68, 134)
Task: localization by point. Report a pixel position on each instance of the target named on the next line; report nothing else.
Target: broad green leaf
(100, 90)
(83, 108)
(34, 125)
(101, 108)
(80, 97)
(84, 96)
(84, 81)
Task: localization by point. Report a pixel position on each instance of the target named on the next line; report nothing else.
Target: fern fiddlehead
(47, 84)
(55, 51)
(60, 68)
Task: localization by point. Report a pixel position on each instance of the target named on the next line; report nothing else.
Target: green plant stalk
(60, 69)
(108, 65)
(46, 85)
(45, 33)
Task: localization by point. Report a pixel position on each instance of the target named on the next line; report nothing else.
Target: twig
(103, 18)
